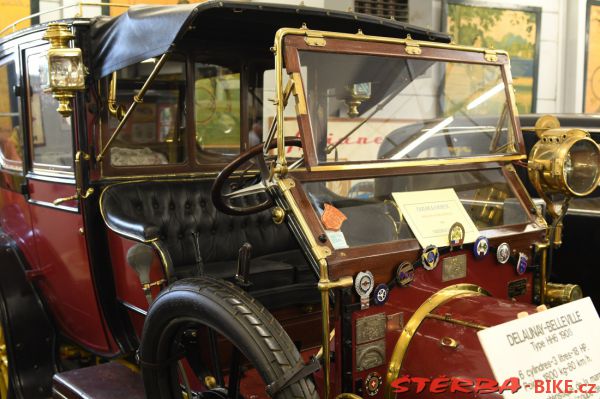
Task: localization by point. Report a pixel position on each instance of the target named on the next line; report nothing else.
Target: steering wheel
(223, 201)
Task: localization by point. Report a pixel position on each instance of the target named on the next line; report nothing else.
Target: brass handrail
(80, 5)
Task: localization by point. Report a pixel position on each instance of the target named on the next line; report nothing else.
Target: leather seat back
(179, 213)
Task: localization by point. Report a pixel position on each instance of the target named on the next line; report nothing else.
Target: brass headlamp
(565, 161)
(65, 74)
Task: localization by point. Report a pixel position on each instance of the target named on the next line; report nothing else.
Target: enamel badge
(430, 257)
(481, 247)
(503, 253)
(522, 263)
(456, 235)
(405, 274)
(381, 294)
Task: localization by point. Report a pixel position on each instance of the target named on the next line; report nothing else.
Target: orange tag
(332, 218)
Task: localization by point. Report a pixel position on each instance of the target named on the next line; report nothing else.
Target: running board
(106, 381)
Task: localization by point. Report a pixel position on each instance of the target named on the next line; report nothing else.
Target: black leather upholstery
(180, 214)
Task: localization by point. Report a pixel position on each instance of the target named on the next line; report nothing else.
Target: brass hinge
(491, 56)
(315, 39)
(412, 46)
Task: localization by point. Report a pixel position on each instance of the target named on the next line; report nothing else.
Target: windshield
(368, 108)
(371, 215)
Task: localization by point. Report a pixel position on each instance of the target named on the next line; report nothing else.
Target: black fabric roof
(148, 31)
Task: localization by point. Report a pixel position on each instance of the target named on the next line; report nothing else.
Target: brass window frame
(288, 43)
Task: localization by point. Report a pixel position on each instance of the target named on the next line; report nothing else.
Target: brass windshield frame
(292, 39)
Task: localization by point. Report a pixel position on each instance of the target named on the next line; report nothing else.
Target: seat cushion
(302, 271)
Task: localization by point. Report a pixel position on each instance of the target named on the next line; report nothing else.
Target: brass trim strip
(50, 205)
(419, 162)
(80, 4)
(433, 302)
(320, 252)
(449, 319)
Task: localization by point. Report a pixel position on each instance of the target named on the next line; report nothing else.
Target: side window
(51, 134)
(154, 135)
(217, 111)
(11, 141)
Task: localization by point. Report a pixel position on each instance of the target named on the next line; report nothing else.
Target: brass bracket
(491, 55)
(315, 39)
(342, 282)
(286, 184)
(321, 251)
(412, 46)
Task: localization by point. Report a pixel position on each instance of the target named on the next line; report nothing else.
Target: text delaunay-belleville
(540, 329)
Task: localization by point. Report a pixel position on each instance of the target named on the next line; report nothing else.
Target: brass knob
(278, 215)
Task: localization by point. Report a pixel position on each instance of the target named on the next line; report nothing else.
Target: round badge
(503, 253)
(373, 383)
(405, 274)
(381, 294)
(430, 257)
(481, 247)
(364, 283)
(456, 235)
(522, 263)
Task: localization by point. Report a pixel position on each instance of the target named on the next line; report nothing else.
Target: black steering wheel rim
(225, 174)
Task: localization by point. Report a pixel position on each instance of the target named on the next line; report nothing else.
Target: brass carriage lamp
(65, 74)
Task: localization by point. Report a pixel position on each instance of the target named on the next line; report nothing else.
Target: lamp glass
(65, 70)
(582, 166)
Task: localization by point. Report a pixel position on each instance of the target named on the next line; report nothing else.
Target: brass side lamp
(65, 74)
(356, 95)
(563, 163)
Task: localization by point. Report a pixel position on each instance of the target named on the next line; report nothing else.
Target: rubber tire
(232, 313)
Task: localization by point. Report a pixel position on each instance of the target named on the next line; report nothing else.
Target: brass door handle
(78, 181)
(74, 197)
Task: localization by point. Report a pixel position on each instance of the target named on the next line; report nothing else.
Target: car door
(14, 213)
(63, 271)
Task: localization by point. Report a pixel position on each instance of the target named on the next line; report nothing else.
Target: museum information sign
(554, 353)
(431, 213)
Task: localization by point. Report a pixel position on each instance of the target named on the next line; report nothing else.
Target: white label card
(554, 353)
(337, 239)
(430, 215)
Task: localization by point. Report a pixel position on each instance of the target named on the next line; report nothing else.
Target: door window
(51, 134)
(11, 142)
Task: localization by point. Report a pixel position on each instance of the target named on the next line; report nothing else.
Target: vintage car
(212, 201)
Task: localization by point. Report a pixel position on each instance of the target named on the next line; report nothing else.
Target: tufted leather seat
(181, 219)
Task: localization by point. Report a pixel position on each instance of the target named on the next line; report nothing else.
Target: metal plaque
(395, 322)
(517, 288)
(370, 328)
(370, 355)
(454, 267)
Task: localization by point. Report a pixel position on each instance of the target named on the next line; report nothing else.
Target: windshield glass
(368, 108)
(370, 214)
